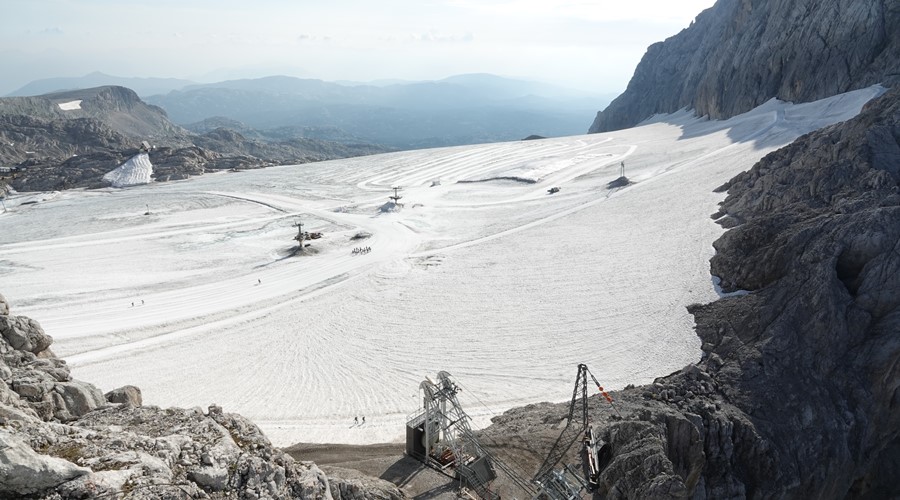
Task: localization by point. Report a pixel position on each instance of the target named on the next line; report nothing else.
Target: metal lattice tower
(396, 197)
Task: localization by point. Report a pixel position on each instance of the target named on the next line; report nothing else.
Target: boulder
(24, 334)
(4, 306)
(25, 472)
(210, 478)
(129, 395)
(74, 399)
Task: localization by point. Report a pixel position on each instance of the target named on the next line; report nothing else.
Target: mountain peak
(738, 54)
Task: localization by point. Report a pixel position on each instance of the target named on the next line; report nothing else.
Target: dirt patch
(385, 461)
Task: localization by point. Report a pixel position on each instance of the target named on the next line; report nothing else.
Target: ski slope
(492, 279)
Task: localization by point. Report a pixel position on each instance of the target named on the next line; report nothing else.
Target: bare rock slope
(738, 54)
(63, 439)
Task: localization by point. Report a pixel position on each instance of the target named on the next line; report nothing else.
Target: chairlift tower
(396, 197)
(4, 192)
(299, 237)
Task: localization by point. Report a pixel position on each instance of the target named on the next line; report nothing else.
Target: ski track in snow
(498, 282)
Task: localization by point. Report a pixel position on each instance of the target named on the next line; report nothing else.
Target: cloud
(54, 31)
(665, 11)
(306, 37)
(433, 36)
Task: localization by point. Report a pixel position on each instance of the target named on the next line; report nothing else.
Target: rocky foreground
(797, 394)
(64, 439)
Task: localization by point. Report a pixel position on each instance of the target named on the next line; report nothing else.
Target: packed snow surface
(70, 106)
(503, 285)
(136, 171)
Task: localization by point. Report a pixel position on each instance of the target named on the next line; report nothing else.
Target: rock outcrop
(738, 54)
(62, 439)
(797, 392)
(57, 144)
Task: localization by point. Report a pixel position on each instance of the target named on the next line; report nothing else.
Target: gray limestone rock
(4, 306)
(210, 478)
(24, 334)
(128, 394)
(348, 484)
(74, 399)
(25, 472)
(738, 54)
(60, 439)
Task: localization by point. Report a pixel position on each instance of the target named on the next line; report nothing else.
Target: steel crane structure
(440, 435)
(566, 483)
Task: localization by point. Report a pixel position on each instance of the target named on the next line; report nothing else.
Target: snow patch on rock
(69, 106)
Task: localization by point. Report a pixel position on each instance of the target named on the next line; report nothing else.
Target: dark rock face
(740, 53)
(811, 358)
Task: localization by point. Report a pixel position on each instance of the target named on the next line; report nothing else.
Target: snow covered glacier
(498, 282)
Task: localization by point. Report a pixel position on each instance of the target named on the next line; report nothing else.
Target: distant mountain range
(463, 109)
(142, 86)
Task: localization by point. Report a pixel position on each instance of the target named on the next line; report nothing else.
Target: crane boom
(553, 481)
(571, 432)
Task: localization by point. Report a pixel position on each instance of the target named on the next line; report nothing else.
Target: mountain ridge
(100, 128)
(142, 86)
(740, 53)
(465, 109)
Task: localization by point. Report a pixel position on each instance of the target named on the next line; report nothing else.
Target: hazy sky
(593, 45)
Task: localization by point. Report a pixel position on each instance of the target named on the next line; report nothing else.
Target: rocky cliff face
(797, 392)
(64, 439)
(57, 148)
(740, 53)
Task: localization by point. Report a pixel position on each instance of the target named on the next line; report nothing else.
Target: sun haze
(590, 45)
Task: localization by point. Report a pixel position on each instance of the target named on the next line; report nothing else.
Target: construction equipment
(440, 435)
(566, 483)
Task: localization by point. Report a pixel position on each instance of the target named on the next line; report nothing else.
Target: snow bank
(133, 172)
